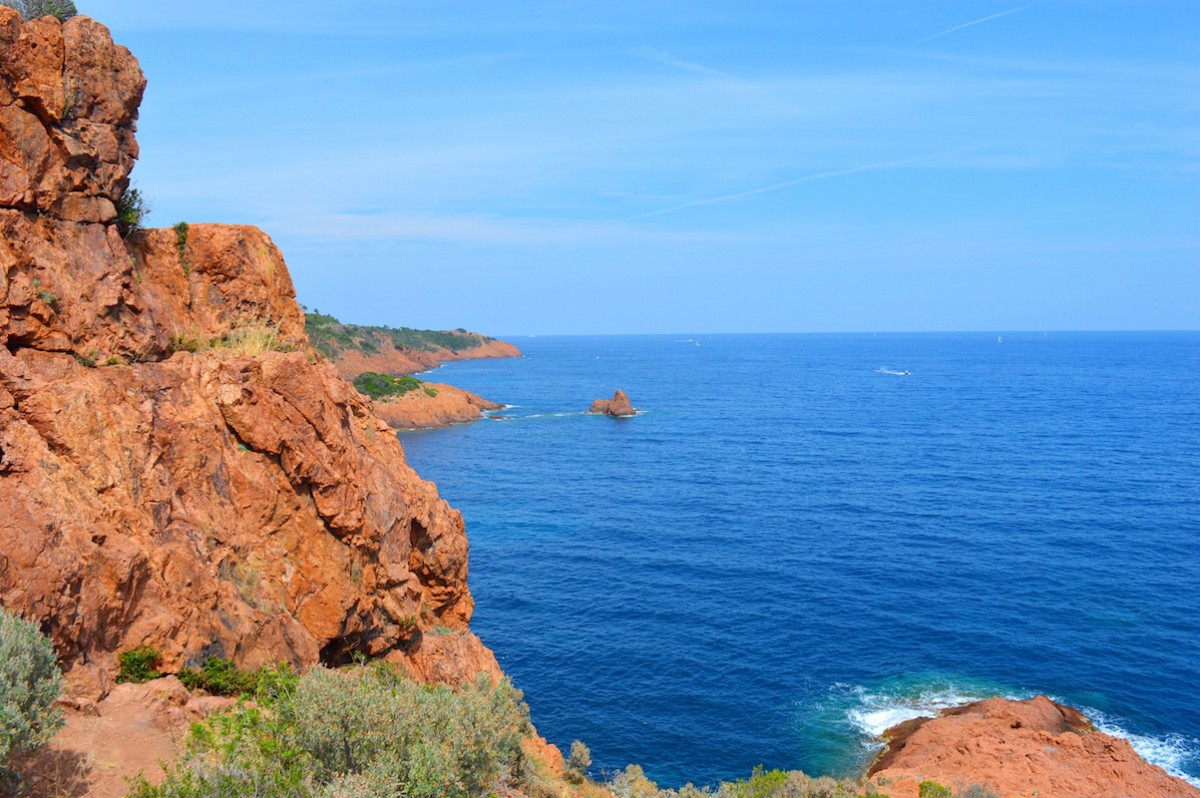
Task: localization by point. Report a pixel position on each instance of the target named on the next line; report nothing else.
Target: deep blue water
(791, 547)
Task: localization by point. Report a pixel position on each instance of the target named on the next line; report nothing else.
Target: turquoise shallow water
(793, 548)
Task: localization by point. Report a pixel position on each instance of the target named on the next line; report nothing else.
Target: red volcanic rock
(1016, 749)
(388, 359)
(160, 483)
(617, 407)
(68, 107)
(420, 410)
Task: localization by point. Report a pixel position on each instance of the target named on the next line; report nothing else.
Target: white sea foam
(876, 712)
(872, 712)
(883, 370)
(1171, 752)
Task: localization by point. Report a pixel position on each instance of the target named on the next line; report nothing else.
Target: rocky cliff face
(1019, 748)
(177, 466)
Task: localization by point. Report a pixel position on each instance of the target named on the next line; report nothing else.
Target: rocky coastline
(357, 349)
(1018, 749)
(184, 468)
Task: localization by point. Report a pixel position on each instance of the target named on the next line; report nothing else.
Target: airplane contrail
(975, 22)
(870, 167)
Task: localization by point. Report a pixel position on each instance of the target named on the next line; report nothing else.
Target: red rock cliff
(208, 502)
(1017, 749)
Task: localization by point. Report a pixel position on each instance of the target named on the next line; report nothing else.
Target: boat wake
(894, 373)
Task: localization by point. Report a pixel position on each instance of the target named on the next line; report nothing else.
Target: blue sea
(795, 545)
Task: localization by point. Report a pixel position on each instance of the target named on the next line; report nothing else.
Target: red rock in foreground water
(1019, 748)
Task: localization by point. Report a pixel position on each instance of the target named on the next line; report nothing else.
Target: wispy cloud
(651, 54)
(973, 23)
(340, 228)
(870, 167)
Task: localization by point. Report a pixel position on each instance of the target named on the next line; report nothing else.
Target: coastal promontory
(1018, 748)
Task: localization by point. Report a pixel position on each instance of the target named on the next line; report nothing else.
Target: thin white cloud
(402, 226)
(651, 54)
(974, 22)
(870, 167)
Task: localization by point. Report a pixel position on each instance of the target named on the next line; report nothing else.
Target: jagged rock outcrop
(1019, 748)
(68, 103)
(617, 407)
(163, 481)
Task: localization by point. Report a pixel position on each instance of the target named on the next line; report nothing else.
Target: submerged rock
(617, 407)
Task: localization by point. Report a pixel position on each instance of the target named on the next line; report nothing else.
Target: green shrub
(181, 247)
(761, 784)
(29, 684)
(138, 665)
(381, 386)
(240, 754)
(632, 783)
(580, 758)
(220, 676)
(976, 791)
(132, 209)
(931, 789)
(362, 732)
(34, 9)
(431, 392)
(186, 342)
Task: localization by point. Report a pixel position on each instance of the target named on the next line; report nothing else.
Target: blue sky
(607, 167)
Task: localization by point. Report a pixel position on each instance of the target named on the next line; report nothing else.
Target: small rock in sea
(617, 407)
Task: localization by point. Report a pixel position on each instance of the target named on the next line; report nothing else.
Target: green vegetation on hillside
(330, 337)
(382, 386)
(366, 731)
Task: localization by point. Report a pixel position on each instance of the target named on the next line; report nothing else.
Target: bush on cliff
(29, 684)
(35, 9)
(382, 386)
(132, 209)
(139, 665)
(363, 732)
(762, 783)
(219, 676)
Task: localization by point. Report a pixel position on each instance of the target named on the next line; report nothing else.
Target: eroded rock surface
(617, 407)
(68, 105)
(177, 467)
(1019, 748)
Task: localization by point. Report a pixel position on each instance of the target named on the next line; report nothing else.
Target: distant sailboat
(999, 339)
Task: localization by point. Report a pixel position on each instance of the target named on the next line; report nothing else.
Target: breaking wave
(870, 711)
